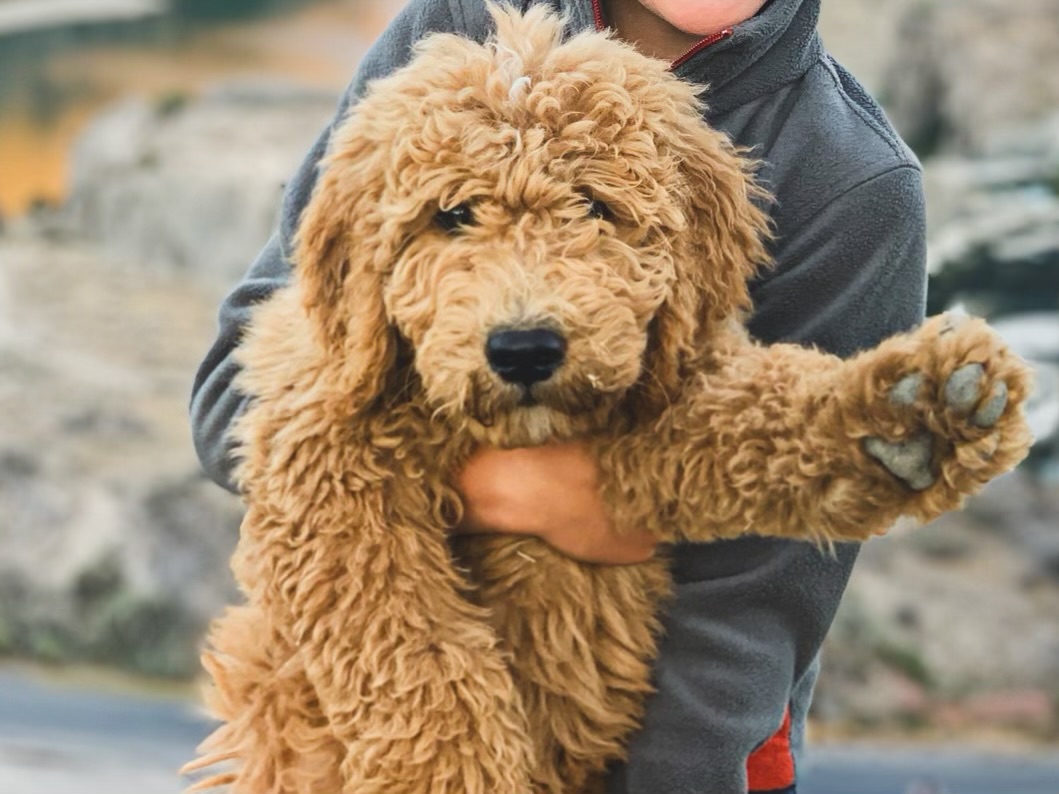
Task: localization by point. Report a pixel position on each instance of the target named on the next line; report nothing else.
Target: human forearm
(215, 402)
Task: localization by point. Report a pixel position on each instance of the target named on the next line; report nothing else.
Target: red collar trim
(597, 11)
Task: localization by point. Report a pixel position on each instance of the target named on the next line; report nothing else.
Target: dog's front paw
(952, 415)
(967, 397)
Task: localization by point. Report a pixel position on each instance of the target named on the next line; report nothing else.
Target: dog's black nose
(525, 357)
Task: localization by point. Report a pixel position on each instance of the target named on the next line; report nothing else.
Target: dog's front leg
(789, 442)
(408, 673)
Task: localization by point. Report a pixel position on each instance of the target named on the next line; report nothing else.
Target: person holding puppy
(738, 657)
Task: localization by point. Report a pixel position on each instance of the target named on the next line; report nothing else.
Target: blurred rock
(1023, 510)
(1032, 710)
(964, 71)
(115, 548)
(994, 224)
(845, 27)
(993, 250)
(192, 184)
(963, 607)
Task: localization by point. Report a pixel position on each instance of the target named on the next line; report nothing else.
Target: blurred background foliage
(143, 150)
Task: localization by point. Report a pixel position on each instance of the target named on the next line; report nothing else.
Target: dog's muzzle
(525, 357)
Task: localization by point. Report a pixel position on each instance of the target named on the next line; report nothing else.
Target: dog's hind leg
(581, 640)
(275, 738)
(408, 672)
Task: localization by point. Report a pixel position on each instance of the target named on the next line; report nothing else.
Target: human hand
(551, 492)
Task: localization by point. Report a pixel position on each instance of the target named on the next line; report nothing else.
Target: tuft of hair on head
(522, 42)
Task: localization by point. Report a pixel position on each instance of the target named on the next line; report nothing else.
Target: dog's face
(548, 228)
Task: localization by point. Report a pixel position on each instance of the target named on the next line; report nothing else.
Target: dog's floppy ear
(718, 248)
(342, 251)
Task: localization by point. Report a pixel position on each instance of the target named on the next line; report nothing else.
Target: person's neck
(647, 31)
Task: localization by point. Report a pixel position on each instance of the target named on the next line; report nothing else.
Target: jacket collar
(776, 47)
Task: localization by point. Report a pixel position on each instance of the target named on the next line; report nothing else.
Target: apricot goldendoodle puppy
(511, 243)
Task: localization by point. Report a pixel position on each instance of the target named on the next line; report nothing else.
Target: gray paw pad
(962, 390)
(906, 390)
(908, 460)
(993, 408)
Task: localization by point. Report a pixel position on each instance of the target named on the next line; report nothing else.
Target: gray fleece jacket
(749, 617)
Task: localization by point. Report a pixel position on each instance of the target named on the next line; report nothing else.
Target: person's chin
(684, 15)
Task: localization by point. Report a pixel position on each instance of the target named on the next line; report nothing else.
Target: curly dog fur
(374, 657)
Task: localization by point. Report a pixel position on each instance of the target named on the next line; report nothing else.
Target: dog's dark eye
(599, 209)
(455, 217)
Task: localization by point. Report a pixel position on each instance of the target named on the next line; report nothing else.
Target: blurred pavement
(58, 739)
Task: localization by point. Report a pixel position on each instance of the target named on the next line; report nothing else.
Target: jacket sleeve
(749, 616)
(215, 403)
